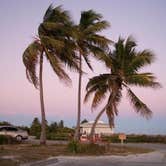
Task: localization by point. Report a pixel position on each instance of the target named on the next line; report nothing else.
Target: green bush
(58, 136)
(133, 138)
(73, 146)
(92, 149)
(146, 138)
(6, 139)
(80, 148)
(112, 139)
(55, 136)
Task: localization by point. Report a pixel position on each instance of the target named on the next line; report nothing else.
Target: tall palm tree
(51, 42)
(124, 63)
(89, 42)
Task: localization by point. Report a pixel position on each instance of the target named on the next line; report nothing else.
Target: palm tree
(89, 42)
(124, 63)
(51, 43)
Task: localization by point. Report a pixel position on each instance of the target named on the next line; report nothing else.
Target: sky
(19, 100)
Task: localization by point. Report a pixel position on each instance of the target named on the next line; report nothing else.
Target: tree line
(66, 43)
(54, 130)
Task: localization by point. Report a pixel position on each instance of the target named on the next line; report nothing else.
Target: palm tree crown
(124, 63)
(88, 39)
(51, 41)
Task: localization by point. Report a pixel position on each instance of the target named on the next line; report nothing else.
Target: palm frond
(30, 60)
(50, 43)
(57, 14)
(88, 18)
(69, 57)
(119, 49)
(61, 15)
(112, 103)
(141, 59)
(138, 105)
(99, 96)
(88, 62)
(102, 79)
(52, 26)
(114, 99)
(143, 80)
(95, 89)
(130, 44)
(110, 116)
(57, 66)
(97, 27)
(97, 52)
(99, 87)
(99, 41)
(109, 60)
(48, 13)
(89, 93)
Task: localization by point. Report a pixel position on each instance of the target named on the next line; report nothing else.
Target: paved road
(156, 158)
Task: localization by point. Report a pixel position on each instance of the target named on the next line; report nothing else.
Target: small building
(101, 128)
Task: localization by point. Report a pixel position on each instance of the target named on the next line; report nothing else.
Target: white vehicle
(14, 132)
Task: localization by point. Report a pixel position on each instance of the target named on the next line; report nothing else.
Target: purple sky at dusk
(19, 100)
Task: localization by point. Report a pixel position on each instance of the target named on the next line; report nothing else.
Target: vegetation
(4, 123)
(135, 138)
(55, 131)
(64, 43)
(124, 63)
(89, 41)
(24, 153)
(6, 139)
(51, 42)
(88, 149)
(35, 128)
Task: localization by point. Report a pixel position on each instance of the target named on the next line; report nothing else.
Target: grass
(134, 138)
(28, 153)
(125, 150)
(24, 153)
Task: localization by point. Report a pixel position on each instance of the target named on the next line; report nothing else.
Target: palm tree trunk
(43, 124)
(94, 124)
(77, 132)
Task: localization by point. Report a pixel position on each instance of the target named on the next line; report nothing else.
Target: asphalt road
(156, 158)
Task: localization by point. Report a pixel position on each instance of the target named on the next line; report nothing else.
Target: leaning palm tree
(52, 38)
(124, 63)
(89, 42)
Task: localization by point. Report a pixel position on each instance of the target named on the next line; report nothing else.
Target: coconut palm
(53, 36)
(124, 63)
(89, 42)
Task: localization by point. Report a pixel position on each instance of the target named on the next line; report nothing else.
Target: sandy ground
(156, 158)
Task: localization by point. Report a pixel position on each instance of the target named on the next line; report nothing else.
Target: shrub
(80, 148)
(6, 139)
(92, 149)
(73, 146)
(112, 139)
(58, 136)
(133, 138)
